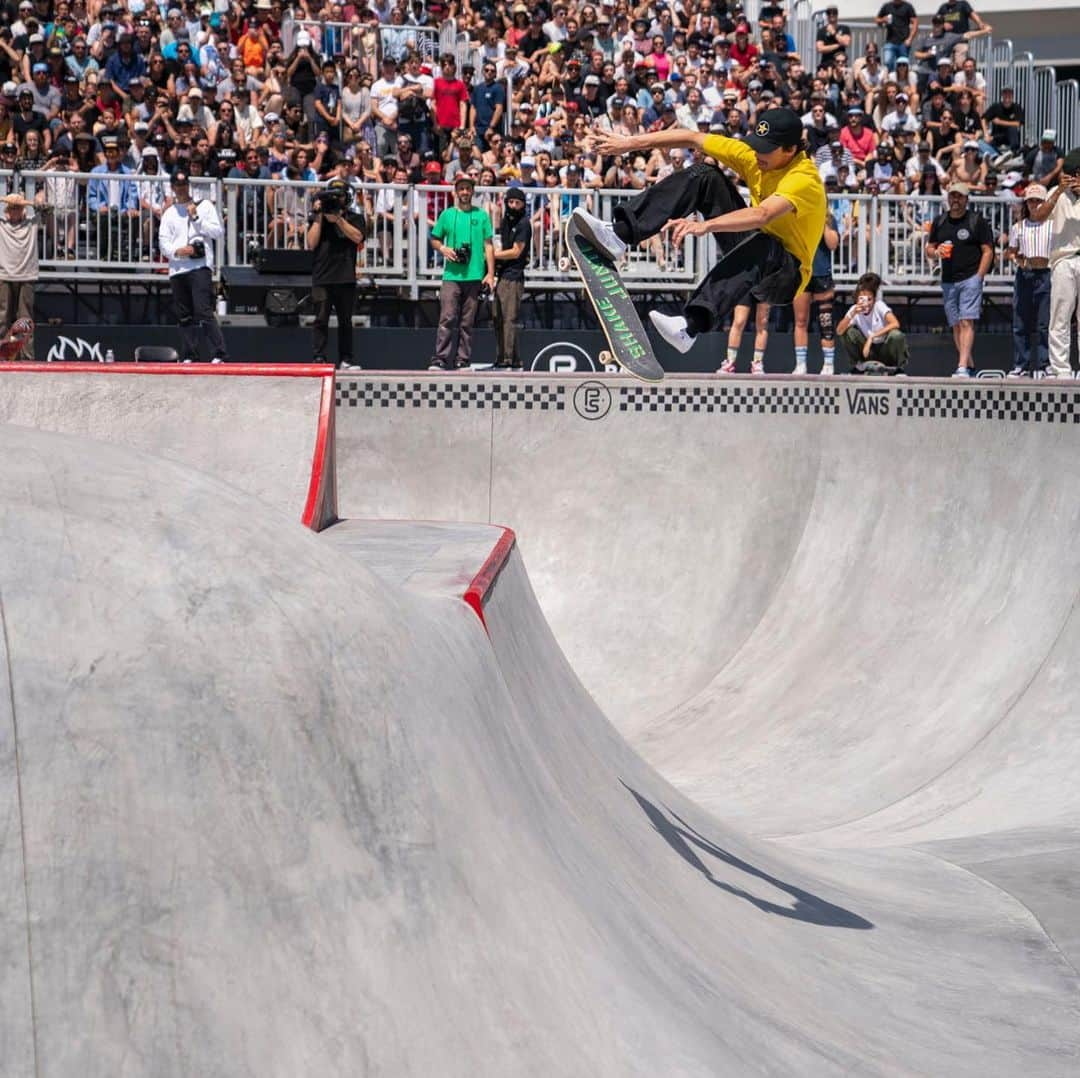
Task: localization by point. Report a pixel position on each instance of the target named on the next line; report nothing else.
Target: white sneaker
(826, 368)
(963, 372)
(672, 327)
(757, 366)
(600, 234)
(727, 367)
(800, 368)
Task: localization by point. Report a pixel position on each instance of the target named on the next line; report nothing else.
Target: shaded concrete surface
(257, 433)
(279, 815)
(834, 622)
(282, 817)
(427, 557)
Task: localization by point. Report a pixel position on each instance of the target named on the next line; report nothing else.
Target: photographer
(186, 238)
(335, 234)
(463, 236)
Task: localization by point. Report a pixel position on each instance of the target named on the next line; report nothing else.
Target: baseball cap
(141, 126)
(754, 84)
(924, 145)
(42, 69)
(271, 118)
(464, 181)
(1037, 192)
(775, 128)
(149, 151)
(592, 80)
(37, 39)
(1047, 136)
(959, 189)
(902, 97)
(303, 40)
(1011, 179)
(944, 60)
(836, 144)
(971, 144)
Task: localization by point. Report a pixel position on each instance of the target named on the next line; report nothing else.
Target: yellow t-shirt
(800, 232)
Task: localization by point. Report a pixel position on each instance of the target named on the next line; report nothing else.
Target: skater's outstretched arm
(609, 144)
(744, 220)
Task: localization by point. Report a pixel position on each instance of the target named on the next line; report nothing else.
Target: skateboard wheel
(564, 265)
(606, 359)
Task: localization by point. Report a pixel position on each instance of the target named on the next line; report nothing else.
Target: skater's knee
(825, 318)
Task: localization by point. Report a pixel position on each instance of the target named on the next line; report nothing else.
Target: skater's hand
(608, 144)
(685, 226)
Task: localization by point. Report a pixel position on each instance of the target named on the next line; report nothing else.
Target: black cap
(514, 194)
(775, 128)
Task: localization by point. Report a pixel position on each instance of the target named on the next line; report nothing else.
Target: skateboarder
(768, 247)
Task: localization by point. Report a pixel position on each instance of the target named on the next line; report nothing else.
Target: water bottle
(222, 306)
(110, 356)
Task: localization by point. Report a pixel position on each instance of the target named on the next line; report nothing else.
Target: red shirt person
(451, 97)
(857, 137)
(744, 52)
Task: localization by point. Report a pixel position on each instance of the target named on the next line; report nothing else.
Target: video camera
(335, 199)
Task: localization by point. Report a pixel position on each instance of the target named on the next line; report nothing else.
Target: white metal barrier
(108, 225)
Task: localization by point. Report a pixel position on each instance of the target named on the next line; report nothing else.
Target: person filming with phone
(188, 232)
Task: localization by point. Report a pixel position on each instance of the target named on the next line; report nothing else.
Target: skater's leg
(700, 188)
(893, 351)
(853, 342)
(728, 283)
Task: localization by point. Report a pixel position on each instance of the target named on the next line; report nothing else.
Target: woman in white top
(870, 332)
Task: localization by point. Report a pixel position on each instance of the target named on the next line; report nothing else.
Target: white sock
(800, 355)
(828, 355)
(732, 354)
(759, 357)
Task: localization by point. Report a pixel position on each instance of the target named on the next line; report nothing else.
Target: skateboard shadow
(807, 907)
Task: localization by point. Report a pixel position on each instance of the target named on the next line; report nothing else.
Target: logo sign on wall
(592, 400)
(74, 349)
(563, 357)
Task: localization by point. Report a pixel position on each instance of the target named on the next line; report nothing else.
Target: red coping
(477, 592)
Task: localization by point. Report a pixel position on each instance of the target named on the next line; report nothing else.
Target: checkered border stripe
(1024, 405)
(455, 394)
(744, 400)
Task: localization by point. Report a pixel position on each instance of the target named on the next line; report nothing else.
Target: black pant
(753, 265)
(193, 295)
(342, 299)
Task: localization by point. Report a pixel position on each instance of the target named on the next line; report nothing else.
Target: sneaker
(217, 359)
(600, 234)
(757, 366)
(800, 368)
(436, 365)
(727, 367)
(827, 368)
(963, 372)
(1019, 372)
(348, 365)
(672, 327)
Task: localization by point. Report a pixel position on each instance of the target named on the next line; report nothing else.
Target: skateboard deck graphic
(630, 347)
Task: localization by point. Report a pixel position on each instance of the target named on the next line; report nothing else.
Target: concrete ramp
(268, 430)
(267, 813)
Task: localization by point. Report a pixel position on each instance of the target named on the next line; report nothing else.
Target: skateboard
(11, 346)
(628, 344)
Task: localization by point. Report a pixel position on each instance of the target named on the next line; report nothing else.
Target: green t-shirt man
(457, 227)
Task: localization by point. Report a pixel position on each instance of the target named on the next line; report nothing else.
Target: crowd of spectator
(360, 91)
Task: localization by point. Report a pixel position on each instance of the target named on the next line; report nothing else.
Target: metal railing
(107, 227)
(398, 41)
(1046, 102)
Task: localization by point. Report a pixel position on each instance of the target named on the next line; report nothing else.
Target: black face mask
(514, 211)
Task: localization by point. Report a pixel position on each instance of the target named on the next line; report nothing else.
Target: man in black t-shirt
(833, 37)
(515, 236)
(334, 234)
(963, 241)
(901, 25)
(1005, 120)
